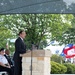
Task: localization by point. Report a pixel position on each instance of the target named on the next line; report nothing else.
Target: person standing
(20, 48)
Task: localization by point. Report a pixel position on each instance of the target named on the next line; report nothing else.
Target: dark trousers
(8, 70)
(18, 66)
(12, 68)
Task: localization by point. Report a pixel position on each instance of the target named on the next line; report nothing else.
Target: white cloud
(12, 40)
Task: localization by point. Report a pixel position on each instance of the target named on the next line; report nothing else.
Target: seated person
(10, 60)
(7, 55)
(4, 65)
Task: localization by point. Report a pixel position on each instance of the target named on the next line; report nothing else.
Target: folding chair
(3, 73)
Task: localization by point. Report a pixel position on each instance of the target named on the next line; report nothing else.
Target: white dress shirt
(21, 38)
(3, 59)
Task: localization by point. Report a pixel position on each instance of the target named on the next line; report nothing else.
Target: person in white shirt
(4, 65)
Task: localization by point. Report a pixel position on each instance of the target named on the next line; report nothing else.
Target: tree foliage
(69, 34)
(38, 27)
(5, 34)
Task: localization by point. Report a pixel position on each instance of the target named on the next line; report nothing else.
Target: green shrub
(57, 68)
(70, 68)
(57, 58)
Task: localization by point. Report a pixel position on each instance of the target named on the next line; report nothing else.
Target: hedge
(70, 68)
(57, 68)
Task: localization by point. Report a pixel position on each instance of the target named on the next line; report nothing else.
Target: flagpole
(7, 45)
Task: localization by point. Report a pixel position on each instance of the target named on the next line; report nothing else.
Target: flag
(51, 43)
(57, 51)
(62, 54)
(69, 51)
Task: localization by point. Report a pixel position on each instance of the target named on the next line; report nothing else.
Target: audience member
(4, 64)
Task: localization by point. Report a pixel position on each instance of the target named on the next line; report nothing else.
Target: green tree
(39, 27)
(57, 58)
(5, 34)
(69, 34)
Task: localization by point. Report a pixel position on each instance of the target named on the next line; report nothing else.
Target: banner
(69, 51)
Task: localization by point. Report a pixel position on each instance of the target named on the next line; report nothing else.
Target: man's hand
(8, 66)
(28, 51)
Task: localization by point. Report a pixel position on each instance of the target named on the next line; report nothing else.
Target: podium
(38, 63)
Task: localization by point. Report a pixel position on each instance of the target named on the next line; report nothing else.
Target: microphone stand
(33, 48)
(32, 56)
(31, 61)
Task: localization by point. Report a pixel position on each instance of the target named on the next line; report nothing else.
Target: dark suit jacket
(20, 48)
(9, 60)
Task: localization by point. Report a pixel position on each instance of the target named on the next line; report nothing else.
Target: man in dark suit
(20, 48)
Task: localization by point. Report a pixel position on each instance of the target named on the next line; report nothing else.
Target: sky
(55, 48)
(12, 40)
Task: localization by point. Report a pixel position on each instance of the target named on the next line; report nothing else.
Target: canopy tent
(37, 6)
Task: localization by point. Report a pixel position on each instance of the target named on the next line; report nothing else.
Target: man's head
(2, 51)
(7, 52)
(22, 34)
